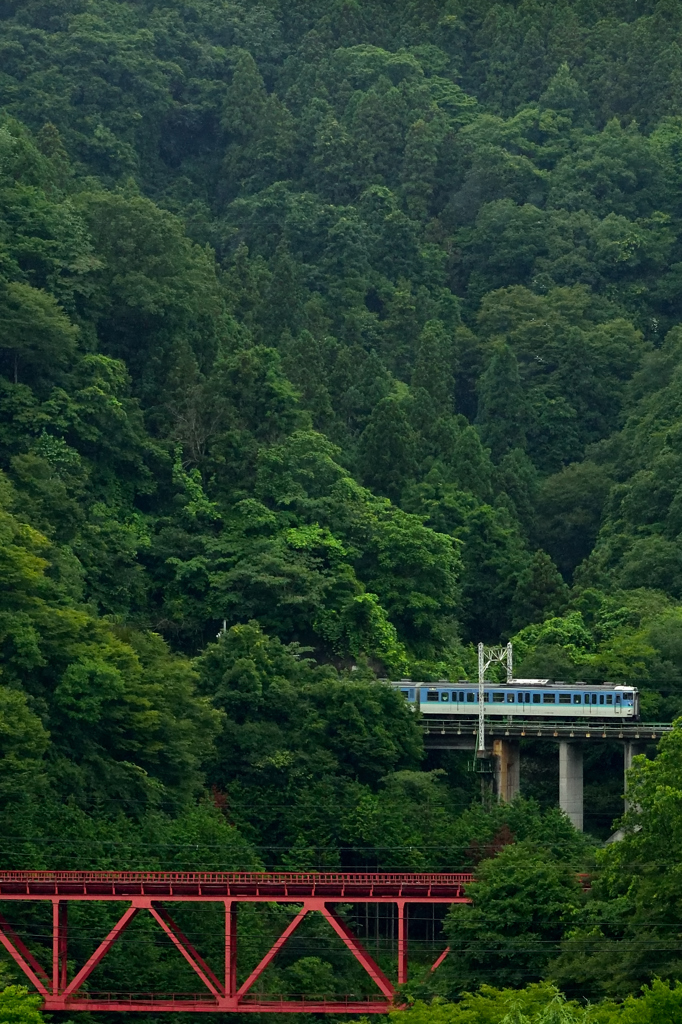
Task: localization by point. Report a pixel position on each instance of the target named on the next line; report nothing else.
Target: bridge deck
(241, 885)
(461, 730)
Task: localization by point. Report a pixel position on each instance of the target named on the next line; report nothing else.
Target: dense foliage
(334, 338)
(544, 1004)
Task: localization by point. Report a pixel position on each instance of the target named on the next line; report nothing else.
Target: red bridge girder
(148, 892)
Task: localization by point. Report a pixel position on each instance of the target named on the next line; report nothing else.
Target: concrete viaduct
(503, 743)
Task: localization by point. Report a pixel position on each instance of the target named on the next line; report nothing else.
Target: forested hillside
(335, 337)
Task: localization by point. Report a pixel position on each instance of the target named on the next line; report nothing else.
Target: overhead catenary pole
(481, 701)
(486, 656)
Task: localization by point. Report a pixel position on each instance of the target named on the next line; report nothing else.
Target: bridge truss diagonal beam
(102, 950)
(23, 958)
(181, 942)
(358, 951)
(273, 951)
(440, 959)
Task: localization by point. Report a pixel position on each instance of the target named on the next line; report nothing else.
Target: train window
(486, 697)
(405, 693)
(537, 698)
(445, 696)
(617, 698)
(461, 696)
(432, 695)
(609, 698)
(498, 698)
(549, 698)
(564, 698)
(577, 698)
(628, 695)
(601, 698)
(471, 697)
(527, 698)
(594, 698)
(510, 698)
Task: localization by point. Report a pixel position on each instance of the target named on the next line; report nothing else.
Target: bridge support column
(571, 782)
(231, 948)
(629, 751)
(507, 756)
(402, 942)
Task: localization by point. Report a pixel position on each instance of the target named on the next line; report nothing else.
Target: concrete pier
(507, 755)
(503, 740)
(630, 749)
(571, 782)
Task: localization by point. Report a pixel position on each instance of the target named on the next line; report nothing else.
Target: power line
(480, 843)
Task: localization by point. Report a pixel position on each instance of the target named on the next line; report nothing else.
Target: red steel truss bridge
(141, 892)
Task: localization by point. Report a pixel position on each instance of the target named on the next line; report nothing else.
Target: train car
(524, 698)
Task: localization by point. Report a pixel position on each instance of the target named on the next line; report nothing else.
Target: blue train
(524, 698)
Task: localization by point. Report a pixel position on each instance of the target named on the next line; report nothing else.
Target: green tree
(536, 1003)
(103, 702)
(658, 1002)
(502, 415)
(613, 171)
(563, 93)
(388, 449)
(433, 368)
(570, 506)
(301, 729)
(540, 592)
(523, 901)
(494, 556)
(157, 292)
(542, 1003)
(37, 336)
(630, 917)
(18, 1006)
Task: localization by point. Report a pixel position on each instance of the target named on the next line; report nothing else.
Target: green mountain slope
(334, 338)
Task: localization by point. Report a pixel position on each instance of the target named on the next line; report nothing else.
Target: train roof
(530, 683)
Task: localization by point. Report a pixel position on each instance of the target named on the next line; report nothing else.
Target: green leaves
(543, 1004)
(85, 689)
(522, 901)
(34, 329)
(18, 1006)
(624, 937)
(563, 383)
(301, 745)
(94, 706)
